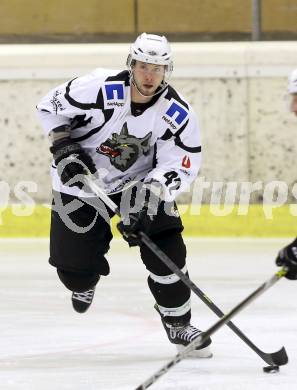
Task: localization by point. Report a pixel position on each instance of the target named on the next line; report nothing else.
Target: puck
(271, 369)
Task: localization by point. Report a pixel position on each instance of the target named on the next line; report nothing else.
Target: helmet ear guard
(129, 61)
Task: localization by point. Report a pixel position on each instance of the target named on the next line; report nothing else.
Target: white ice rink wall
(237, 89)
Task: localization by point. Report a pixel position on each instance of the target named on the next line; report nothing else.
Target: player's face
(294, 103)
(148, 77)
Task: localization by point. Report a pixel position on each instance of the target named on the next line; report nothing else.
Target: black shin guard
(78, 282)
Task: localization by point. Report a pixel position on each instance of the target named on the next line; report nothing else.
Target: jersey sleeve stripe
(178, 142)
(83, 106)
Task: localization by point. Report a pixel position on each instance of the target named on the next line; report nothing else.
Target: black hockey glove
(288, 257)
(131, 224)
(72, 160)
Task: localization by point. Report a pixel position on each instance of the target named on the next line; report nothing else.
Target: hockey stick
(203, 337)
(278, 358)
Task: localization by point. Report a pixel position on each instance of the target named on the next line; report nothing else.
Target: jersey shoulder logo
(114, 94)
(124, 149)
(176, 114)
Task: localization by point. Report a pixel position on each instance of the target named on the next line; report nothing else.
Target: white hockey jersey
(127, 141)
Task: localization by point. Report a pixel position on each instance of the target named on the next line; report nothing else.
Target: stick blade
(279, 358)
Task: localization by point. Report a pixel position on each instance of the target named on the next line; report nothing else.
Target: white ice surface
(120, 342)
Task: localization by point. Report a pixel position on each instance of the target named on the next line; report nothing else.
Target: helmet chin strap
(138, 90)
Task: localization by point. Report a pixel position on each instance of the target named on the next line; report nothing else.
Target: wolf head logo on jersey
(124, 149)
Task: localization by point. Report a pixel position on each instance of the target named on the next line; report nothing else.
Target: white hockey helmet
(292, 85)
(150, 48)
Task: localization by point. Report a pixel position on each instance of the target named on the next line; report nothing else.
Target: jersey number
(173, 182)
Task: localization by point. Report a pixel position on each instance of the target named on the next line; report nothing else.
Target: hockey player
(292, 90)
(124, 127)
(288, 255)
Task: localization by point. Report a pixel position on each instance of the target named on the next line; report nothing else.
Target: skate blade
(203, 353)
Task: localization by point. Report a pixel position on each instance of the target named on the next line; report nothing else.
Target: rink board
(199, 221)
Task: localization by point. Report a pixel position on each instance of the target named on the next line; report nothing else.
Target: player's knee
(78, 282)
(172, 244)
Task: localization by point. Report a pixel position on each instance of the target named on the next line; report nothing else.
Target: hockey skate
(81, 301)
(183, 334)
